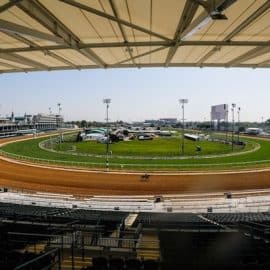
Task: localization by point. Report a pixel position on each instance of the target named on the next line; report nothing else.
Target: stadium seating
(225, 218)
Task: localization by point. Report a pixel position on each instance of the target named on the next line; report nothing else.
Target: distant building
(13, 125)
(168, 121)
(47, 121)
(160, 122)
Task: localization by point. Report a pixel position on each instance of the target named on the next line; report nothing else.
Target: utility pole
(182, 103)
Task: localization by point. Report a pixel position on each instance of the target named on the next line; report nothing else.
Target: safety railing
(121, 166)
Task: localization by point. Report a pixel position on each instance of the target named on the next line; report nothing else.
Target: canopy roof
(68, 34)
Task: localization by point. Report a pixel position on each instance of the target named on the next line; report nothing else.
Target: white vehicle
(254, 131)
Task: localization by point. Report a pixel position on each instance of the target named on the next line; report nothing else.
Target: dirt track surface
(21, 176)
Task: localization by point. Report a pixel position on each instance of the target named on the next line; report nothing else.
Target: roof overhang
(80, 34)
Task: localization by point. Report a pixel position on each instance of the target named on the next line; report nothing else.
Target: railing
(121, 166)
(54, 257)
(117, 242)
(48, 145)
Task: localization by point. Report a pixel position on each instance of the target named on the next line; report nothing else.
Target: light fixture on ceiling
(215, 14)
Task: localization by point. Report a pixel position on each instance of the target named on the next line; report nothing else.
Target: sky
(137, 94)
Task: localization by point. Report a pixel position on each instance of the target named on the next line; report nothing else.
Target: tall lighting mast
(182, 103)
(233, 107)
(107, 102)
(59, 108)
(238, 113)
(58, 122)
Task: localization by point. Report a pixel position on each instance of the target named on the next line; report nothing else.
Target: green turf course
(162, 147)
(261, 157)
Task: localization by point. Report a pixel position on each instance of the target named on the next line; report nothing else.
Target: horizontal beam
(154, 65)
(16, 58)
(7, 26)
(41, 14)
(141, 44)
(199, 22)
(113, 18)
(10, 66)
(122, 30)
(34, 45)
(8, 5)
(261, 10)
(187, 16)
(141, 55)
(253, 53)
(238, 29)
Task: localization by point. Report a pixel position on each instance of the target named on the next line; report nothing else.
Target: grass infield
(158, 148)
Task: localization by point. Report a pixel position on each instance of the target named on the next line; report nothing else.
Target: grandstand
(139, 232)
(169, 232)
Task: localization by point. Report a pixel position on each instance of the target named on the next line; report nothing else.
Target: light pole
(238, 112)
(50, 112)
(59, 111)
(58, 122)
(233, 107)
(227, 123)
(107, 102)
(182, 103)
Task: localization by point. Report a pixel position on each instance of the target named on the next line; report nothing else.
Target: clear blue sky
(137, 94)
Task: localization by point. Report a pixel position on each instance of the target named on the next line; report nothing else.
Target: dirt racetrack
(22, 176)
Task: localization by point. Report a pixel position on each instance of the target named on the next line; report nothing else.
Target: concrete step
(130, 219)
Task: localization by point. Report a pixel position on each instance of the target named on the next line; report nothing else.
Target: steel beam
(253, 53)
(11, 27)
(10, 66)
(190, 27)
(140, 44)
(113, 18)
(124, 36)
(45, 51)
(8, 5)
(16, 58)
(37, 11)
(141, 55)
(263, 63)
(188, 13)
(238, 29)
(260, 11)
(154, 65)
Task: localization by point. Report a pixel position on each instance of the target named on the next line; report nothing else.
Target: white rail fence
(114, 165)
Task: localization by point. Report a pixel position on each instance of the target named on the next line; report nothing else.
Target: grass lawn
(31, 148)
(165, 147)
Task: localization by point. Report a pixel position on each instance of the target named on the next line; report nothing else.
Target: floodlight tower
(182, 103)
(227, 123)
(233, 107)
(58, 123)
(107, 102)
(238, 113)
(59, 108)
(50, 110)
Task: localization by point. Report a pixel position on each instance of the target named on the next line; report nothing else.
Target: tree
(83, 123)
(267, 122)
(241, 129)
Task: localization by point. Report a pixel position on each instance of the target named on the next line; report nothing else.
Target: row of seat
(16, 210)
(102, 263)
(238, 217)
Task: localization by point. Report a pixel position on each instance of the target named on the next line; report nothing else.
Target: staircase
(149, 248)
